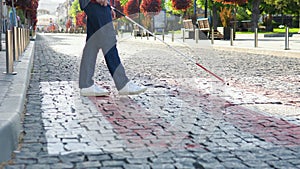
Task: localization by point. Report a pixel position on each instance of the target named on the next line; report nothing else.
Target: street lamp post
(195, 7)
(205, 9)
(299, 20)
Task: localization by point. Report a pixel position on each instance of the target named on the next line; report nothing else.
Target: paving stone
(100, 157)
(137, 160)
(234, 164)
(38, 166)
(72, 157)
(48, 160)
(88, 164)
(136, 166)
(21, 166)
(62, 165)
(159, 166)
(113, 163)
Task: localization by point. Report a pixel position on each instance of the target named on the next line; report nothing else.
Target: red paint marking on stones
(267, 128)
(135, 124)
(270, 129)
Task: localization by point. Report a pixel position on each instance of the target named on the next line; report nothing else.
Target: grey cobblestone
(62, 165)
(113, 163)
(89, 164)
(38, 166)
(136, 166)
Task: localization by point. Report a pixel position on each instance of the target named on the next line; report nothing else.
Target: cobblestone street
(186, 119)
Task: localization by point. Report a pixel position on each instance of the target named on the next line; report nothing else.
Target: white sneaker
(94, 90)
(131, 89)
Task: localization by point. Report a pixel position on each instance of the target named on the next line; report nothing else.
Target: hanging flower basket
(132, 8)
(232, 2)
(181, 4)
(150, 7)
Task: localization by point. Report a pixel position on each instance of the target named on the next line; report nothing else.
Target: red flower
(181, 4)
(81, 19)
(149, 7)
(132, 7)
(234, 2)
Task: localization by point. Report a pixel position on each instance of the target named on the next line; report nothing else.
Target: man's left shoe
(94, 90)
(131, 89)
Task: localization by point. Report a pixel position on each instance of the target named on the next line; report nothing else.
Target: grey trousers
(100, 35)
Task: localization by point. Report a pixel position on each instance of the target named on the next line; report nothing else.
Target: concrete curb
(12, 106)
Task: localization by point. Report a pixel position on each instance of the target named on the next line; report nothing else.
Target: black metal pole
(205, 10)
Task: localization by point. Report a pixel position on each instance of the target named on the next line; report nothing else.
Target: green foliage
(243, 13)
(20, 13)
(284, 6)
(123, 2)
(75, 8)
(170, 9)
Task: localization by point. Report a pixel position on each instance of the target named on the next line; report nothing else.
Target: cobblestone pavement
(186, 119)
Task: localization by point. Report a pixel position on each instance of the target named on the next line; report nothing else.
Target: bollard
(287, 39)
(172, 35)
(16, 44)
(163, 34)
(183, 35)
(23, 39)
(196, 35)
(27, 37)
(19, 42)
(213, 36)
(147, 35)
(134, 33)
(154, 34)
(231, 36)
(9, 53)
(256, 38)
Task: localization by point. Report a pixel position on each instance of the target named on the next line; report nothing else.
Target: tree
(281, 7)
(255, 13)
(284, 6)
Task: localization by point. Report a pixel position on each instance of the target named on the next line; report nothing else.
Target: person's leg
(90, 52)
(101, 34)
(115, 67)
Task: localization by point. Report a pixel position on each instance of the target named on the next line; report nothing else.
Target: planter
(226, 33)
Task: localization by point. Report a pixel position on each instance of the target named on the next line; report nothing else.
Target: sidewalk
(14, 87)
(245, 43)
(12, 100)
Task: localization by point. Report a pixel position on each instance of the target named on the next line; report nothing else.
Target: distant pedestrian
(101, 35)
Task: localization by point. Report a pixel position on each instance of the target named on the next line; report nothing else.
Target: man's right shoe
(131, 89)
(94, 90)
